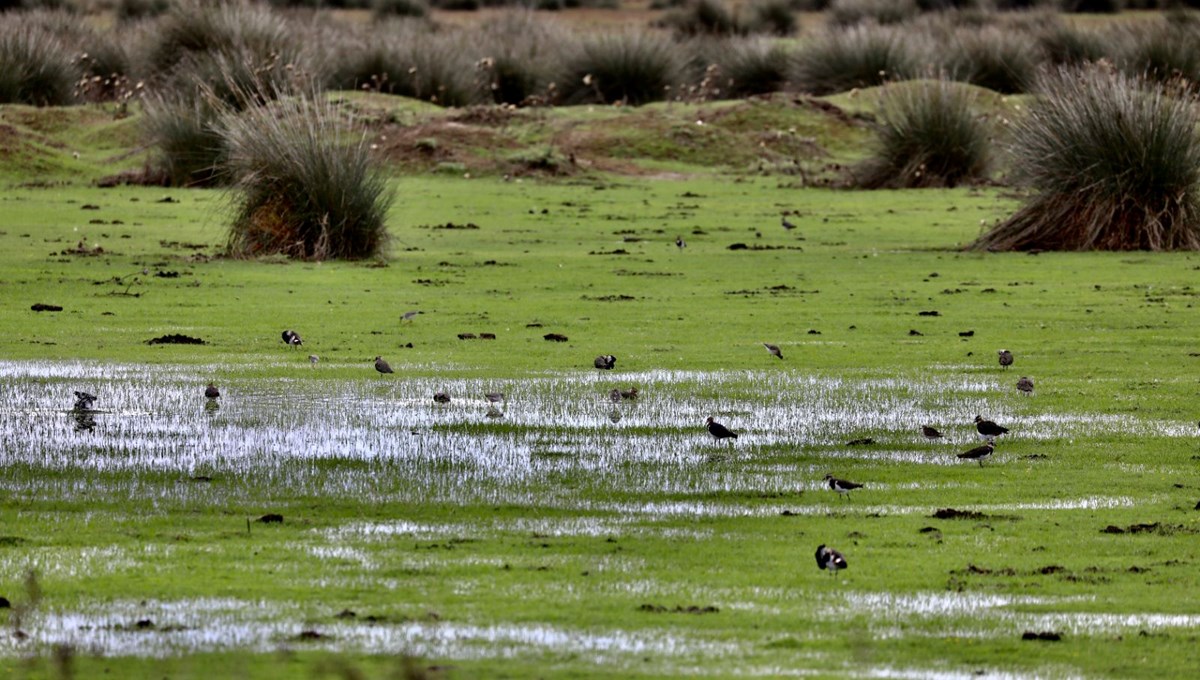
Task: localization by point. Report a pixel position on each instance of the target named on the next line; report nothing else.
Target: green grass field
(559, 534)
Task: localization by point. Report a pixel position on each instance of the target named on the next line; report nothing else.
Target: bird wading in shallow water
(773, 349)
(211, 392)
(719, 431)
(931, 433)
(84, 401)
(605, 362)
(978, 453)
(441, 398)
(987, 429)
(382, 366)
(828, 558)
(841, 486)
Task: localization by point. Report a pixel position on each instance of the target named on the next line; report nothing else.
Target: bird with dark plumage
(719, 431)
(773, 349)
(494, 397)
(630, 394)
(987, 429)
(787, 224)
(828, 558)
(978, 453)
(292, 339)
(382, 366)
(931, 433)
(841, 486)
(441, 398)
(680, 243)
(84, 401)
(605, 362)
(211, 392)
(1006, 358)
(615, 395)
(1025, 385)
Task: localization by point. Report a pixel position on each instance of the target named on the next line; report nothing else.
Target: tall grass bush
(631, 67)
(517, 52)
(771, 17)
(183, 128)
(35, 66)
(1113, 163)
(702, 17)
(861, 56)
(1162, 50)
(929, 135)
(1003, 61)
(305, 185)
(403, 57)
(751, 66)
(883, 12)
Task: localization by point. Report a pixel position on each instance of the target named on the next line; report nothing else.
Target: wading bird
(680, 243)
(841, 486)
(978, 453)
(1006, 358)
(211, 392)
(987, 429)
(773, 349)
(828, 558)
(1025, 385)
(382, 366)
(719, 431)
(605, 362)
(292, 339)
(84, 401)
(787, 224)
(441, 398)
(931, 433)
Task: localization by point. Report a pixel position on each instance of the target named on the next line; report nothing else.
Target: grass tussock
(306, 187)
(627, 68)
(882, 12)
(929, 136)
(863, 56)
(402, 57)
(35, 66)
(751, 66)
(517, 49)
(1113, 162)
(994, 58)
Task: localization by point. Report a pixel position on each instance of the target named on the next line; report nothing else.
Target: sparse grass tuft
(1114, 164)
(306, 188)
(929, 136)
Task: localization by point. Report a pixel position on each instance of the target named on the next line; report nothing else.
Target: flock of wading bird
(827, 558)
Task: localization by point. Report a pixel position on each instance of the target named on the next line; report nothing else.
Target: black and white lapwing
(680, 243)
(978, 453)
(1006, 358)
(786, 223)
(605, 362)
(931, 433)
(773, 349)
(441, 398)
(988, 430)
(719, 431)
(382, 366)
(1025, 385)
(211, 392)
(828, 558)
(841, 486)
(292, 339)
(84, 401)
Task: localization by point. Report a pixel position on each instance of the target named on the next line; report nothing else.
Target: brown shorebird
(292, 339)
(605, 362)
(719, 431)
(841, 486)
(1025, 385)
(211, 392)
(931, 433)
(987, 429)
(441, 398)
(382, 366)
(313, 359)
(773, 349)
(1006, 358)
(631, 393)
(828, 558)
(978, 453)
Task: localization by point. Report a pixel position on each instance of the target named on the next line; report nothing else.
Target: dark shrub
(195, 27)
(752, 66)
(35, 66)
(771, 17)
(861, 56)
(1160, 50)
(189, 149)
(1002, 61)
(307, 187)
(883, 12)
(400, 8)
(928, 136)
(1063, 44)
(404, 58)
(701, 17)
(132, 10)
(630, 68)
(1113, 162)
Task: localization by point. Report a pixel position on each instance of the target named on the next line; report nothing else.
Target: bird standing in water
(988, 430)
(211, 392)
(931, 433)
(978, 453)
(841, 486)
(719, 431)
(1025, 385)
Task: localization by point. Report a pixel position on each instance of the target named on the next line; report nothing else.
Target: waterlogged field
(559, 533)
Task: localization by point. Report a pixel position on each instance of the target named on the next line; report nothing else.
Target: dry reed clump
(1113, 163)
